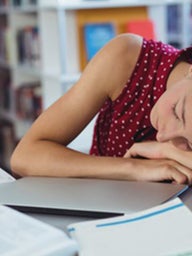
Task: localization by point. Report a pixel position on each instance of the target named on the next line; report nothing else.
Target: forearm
(47, 158)
(157, 150)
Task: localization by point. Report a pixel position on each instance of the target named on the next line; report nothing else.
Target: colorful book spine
(96, 35)
(28, 46)
(142, 27)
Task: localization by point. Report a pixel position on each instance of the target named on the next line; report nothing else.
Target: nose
(160, 137)
(163, 136)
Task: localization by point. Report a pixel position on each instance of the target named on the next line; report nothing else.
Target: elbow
(18, 165)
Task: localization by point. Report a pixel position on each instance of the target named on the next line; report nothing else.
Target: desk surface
(186, 197)
(62, 221)
(59, 221)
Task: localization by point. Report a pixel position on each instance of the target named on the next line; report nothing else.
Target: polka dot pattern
(126, 120)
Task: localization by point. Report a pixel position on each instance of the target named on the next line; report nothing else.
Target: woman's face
(171, 116)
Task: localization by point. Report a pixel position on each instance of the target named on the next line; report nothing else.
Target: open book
(164, 230)
(22, 235)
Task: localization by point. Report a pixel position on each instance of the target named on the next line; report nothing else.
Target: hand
(159, 167)
(150, 149)
(160, 170)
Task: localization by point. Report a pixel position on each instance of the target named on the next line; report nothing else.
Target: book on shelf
(20, 3)
(3, 36)
(175, 44)
(5, 88)
(28, 46)
(3, 56)
(165, 229)
(143, 28)
(96, 35)
(10, 53)
(28, 101)
(8, 142)
(4, 3)
(174, 17)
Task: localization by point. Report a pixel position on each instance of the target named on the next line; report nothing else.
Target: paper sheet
(5, 177)
(163, 230)
(22, 235)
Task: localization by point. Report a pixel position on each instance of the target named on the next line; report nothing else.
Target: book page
(22, 235)
(164, 230)
(5, 177)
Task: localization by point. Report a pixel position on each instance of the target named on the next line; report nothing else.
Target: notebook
(85, 197)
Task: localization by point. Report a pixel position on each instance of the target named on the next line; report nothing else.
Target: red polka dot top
(126, 120)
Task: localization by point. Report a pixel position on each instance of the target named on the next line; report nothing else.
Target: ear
(189, 73)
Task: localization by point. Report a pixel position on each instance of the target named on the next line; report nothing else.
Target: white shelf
(70, 78)
(90, 4)
(24, 9)
(21, 127)
(28, 69)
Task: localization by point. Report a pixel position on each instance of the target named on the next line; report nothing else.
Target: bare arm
(180, 158)
(43, 150)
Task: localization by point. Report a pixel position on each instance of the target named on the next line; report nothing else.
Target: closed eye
(178, 110)
(174, 112)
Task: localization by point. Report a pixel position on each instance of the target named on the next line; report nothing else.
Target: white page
(5, 177)
(163, 230)
(22, 235)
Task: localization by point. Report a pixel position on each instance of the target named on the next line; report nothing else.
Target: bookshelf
(58, 48)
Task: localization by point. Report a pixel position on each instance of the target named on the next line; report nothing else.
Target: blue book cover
(96, 35)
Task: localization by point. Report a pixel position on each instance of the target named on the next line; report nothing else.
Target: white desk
(62, 221)
(59, 221)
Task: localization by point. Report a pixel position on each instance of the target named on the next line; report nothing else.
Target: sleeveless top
(126, 120)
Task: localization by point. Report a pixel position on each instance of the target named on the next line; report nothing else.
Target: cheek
(162, 111)
(166, 102)
(161, 108)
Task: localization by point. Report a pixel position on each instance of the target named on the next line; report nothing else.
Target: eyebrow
(183, 111)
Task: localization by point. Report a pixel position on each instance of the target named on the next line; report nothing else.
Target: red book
(143, 28)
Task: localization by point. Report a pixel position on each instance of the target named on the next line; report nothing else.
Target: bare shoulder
(124, 47)
(128, 42)
(117, 60)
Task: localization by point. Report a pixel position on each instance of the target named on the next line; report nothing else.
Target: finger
(187, 172)
(127, 154)
(133, 151)
(179, 177)
(145, 150)
(175, 172)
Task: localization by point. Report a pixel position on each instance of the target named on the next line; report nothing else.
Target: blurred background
(45, 45)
